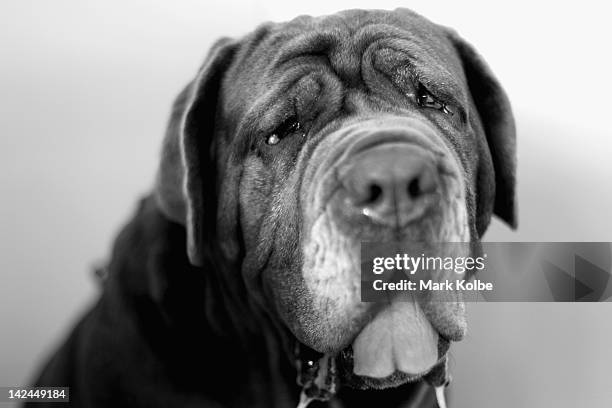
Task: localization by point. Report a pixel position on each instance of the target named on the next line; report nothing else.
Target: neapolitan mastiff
(236, 283)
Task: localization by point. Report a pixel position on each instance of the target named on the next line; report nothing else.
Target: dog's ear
(185, 187)
(498, 122)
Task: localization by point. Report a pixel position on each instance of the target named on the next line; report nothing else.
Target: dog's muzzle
(388, 179)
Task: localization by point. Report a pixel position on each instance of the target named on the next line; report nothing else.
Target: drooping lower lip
(350, 379)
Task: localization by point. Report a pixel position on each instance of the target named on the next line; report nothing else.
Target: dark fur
(168, 333)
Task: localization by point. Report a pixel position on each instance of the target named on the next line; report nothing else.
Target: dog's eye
(287, 128)
(426, 100)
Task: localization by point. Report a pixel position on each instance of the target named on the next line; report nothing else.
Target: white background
(85, 89)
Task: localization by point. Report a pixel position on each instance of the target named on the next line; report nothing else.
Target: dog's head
(305, 138)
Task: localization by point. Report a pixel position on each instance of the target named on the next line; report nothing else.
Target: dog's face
(309, 137)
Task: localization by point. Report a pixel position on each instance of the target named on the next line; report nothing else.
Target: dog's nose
(392, 183)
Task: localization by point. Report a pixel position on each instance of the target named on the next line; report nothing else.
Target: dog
(236, 283)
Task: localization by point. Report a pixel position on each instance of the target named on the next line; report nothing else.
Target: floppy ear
(498, 123)
(185, 186)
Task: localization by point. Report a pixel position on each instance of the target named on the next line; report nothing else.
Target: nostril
(414, 188)
(375, 193)
(423, 184)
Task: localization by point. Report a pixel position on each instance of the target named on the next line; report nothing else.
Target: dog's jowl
(237, 283)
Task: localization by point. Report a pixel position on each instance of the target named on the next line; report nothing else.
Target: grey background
(85, 89)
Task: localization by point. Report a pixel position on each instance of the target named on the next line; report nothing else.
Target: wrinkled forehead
(341, 40)
(343, 46)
